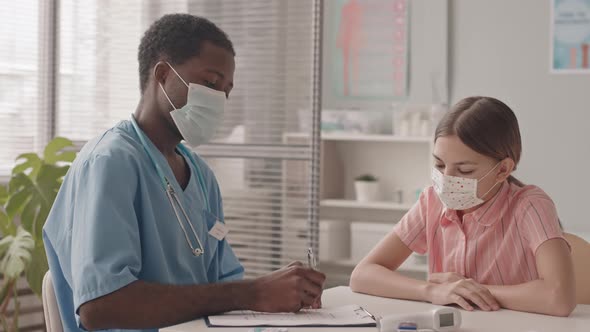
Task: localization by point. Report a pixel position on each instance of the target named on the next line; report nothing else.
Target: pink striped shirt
(494, 245)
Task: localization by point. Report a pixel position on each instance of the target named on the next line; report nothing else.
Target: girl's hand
(463, 292)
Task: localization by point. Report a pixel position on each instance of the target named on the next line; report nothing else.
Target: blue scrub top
(112, 224)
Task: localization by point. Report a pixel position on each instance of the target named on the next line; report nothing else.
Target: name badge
(219, 231)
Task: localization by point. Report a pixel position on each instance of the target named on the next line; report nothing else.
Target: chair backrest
(50, 308)
(581, 257)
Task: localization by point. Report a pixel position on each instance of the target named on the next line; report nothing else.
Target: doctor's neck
(159, 130)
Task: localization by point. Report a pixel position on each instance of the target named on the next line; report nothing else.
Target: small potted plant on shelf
(366, 188)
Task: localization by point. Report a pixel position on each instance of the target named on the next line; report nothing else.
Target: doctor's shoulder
(113, 151)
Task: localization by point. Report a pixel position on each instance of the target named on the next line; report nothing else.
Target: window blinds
(78, 77)
(24, 44)
(266, 176)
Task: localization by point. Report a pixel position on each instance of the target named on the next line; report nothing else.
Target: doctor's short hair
(177, 38)
(487, 126)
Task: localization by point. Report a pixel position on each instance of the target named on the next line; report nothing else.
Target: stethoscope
(171, 193)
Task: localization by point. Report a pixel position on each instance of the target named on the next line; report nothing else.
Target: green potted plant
(24, 206)
(366, 188)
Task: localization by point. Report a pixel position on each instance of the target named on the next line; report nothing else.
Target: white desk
(500, 321)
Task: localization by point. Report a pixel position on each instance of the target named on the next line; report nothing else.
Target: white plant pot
(366, 191)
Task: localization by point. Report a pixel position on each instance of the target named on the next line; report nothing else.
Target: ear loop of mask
(175, 72)
(162, 87)
(483, 177)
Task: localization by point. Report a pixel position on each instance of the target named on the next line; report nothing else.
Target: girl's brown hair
(487, 126)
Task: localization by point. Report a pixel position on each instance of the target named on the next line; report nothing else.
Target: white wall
(501, 48)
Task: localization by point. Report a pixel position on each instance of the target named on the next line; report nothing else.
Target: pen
(368, 313)
(311, 259)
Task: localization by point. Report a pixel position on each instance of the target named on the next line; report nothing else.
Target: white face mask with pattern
(458, 193)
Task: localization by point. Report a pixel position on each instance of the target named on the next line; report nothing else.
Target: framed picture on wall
(366, 50)
(570, 36)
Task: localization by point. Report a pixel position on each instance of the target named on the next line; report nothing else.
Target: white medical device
(442, 319)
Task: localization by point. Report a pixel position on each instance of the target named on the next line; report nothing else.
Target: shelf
(365, 137)
(408, 265)
(352, 204)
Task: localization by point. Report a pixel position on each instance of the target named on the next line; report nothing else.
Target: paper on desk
(350, 315)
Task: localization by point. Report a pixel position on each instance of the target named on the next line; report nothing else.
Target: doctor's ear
(161, 70)
(505, 169)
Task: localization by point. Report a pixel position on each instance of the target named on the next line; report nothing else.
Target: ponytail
(517, 182)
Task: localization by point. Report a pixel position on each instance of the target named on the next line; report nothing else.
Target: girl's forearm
(537, 296)
(374, 279)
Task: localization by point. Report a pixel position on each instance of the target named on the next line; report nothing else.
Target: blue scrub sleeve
(230, 268)
(106, 249)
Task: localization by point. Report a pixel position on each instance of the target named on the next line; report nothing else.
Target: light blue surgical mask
(198, 120)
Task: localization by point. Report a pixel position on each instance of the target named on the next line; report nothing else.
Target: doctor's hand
(289, 289)
(463, 292)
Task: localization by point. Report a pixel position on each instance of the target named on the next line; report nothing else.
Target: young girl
(491, 241)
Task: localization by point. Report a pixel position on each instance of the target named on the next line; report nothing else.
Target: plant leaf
(6, 226)
(33, 199)
(20, 188)
(17, 256)
(31, 161)
(66, 156)
(37, 268)
(5, 244)
(50, 174)
(53, 151)
(39, 223)
(3, 194)
(49, 181)
(28, 215)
